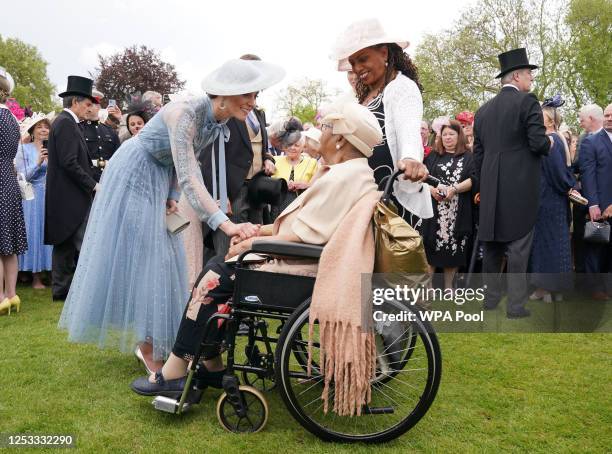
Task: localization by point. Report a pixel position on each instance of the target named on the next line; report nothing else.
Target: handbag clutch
(25, 187)
(597, 232)
(176, 223)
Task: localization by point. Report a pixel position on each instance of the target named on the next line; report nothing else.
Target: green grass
(500, 393)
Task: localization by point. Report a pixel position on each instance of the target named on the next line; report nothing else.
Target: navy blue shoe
(519, 313)
(161, 387)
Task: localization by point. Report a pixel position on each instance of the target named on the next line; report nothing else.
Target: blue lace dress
(131, 281)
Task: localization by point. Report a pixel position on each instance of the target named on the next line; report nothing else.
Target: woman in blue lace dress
(130, 285)
(551, 255)
(31, 162)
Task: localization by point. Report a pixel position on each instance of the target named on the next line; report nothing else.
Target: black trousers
(64, 260)
(191, 332)
(216, 243)
(517, 252)
(598, 266)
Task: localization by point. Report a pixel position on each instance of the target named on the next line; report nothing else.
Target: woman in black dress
(447, 234)
(13, 240)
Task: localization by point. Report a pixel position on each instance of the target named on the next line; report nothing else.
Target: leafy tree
(29, 70)
(135, 69)
(303, 99)
(458, 66)
(589, 51)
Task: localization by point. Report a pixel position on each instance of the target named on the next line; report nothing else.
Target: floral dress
(445, 244)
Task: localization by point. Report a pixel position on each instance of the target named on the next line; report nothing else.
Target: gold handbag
(399, 247)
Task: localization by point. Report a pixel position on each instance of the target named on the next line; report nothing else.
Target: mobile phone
(441, 193)
(112, 103)
(45, 143)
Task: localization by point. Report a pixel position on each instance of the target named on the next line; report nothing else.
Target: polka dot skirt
(13, 239)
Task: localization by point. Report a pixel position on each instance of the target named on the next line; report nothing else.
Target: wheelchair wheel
(255, 417)
(398, 340)
(400, 397)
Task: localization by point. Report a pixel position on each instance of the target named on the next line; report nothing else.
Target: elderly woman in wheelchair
(312, 219)
(349, 133)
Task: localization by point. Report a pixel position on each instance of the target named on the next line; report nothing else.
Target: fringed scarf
(348, 351)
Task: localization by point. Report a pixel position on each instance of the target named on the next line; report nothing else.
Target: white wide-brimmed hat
(356, 124)
(4, 73)
(359, 35)
(238, 77)
(29, 122)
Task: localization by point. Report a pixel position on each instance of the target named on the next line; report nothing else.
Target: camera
(45, 143)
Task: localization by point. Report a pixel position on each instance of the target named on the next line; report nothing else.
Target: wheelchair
(408, 360)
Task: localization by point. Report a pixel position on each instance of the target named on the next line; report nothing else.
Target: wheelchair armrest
(287, 248)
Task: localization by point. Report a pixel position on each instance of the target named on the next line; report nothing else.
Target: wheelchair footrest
(168, 404)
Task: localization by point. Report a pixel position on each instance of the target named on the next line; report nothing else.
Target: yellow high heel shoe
(15, 302)
(5, 305)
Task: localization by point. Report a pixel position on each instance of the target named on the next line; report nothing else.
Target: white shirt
(510, 85)
(73, 115)
(609, 135)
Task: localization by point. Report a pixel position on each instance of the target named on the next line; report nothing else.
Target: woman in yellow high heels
(13, 239)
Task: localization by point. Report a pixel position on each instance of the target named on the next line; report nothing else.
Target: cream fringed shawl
(348, 354)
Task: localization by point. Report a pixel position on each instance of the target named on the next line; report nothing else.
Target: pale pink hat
(359, 35)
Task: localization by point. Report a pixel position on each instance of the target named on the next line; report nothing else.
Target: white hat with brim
(29, 122)
(238, 77)
(356, 124)
(4, 73)
(359, 35)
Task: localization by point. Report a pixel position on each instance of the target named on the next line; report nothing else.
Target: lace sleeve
(181, 122)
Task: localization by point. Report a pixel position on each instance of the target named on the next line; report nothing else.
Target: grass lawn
(500, 392)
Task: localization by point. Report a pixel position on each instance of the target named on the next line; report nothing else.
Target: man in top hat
(70, 183)
(102, 140)
(246, 154)
(509, 142)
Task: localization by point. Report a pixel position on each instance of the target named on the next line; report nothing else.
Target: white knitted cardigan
(403, 114)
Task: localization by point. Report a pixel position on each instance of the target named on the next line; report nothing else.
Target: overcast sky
(198, 36)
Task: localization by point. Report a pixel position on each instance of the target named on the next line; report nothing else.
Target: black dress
(13, 239)
(447, 233)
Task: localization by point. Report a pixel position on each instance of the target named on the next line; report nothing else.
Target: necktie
(253, 122)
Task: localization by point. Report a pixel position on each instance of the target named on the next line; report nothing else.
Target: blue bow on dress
(219, 131)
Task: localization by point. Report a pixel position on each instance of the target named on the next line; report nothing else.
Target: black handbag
(597, 232)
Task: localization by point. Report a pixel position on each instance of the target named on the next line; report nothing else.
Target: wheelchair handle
(430, 180)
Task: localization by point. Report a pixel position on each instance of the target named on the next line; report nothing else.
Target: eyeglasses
(325, 125)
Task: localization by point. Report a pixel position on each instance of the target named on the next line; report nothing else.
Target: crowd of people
(103, 185)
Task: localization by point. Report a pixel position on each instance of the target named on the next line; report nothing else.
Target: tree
(303, 99)
(135, 69)
(458, 66)
(29, 70)
(589, 51)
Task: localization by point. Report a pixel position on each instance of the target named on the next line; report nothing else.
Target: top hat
(79, 86)
(266, 190)
(513, 59)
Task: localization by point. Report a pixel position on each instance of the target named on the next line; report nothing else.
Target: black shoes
(161, 387)
(59, 297)
(487, 306)
(519, 313)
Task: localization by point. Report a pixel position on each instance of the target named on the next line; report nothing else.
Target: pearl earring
(222, 105)
(386, 63)
(337, 146)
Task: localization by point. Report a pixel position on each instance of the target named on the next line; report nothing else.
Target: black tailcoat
(70, 181)
(509, 142)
